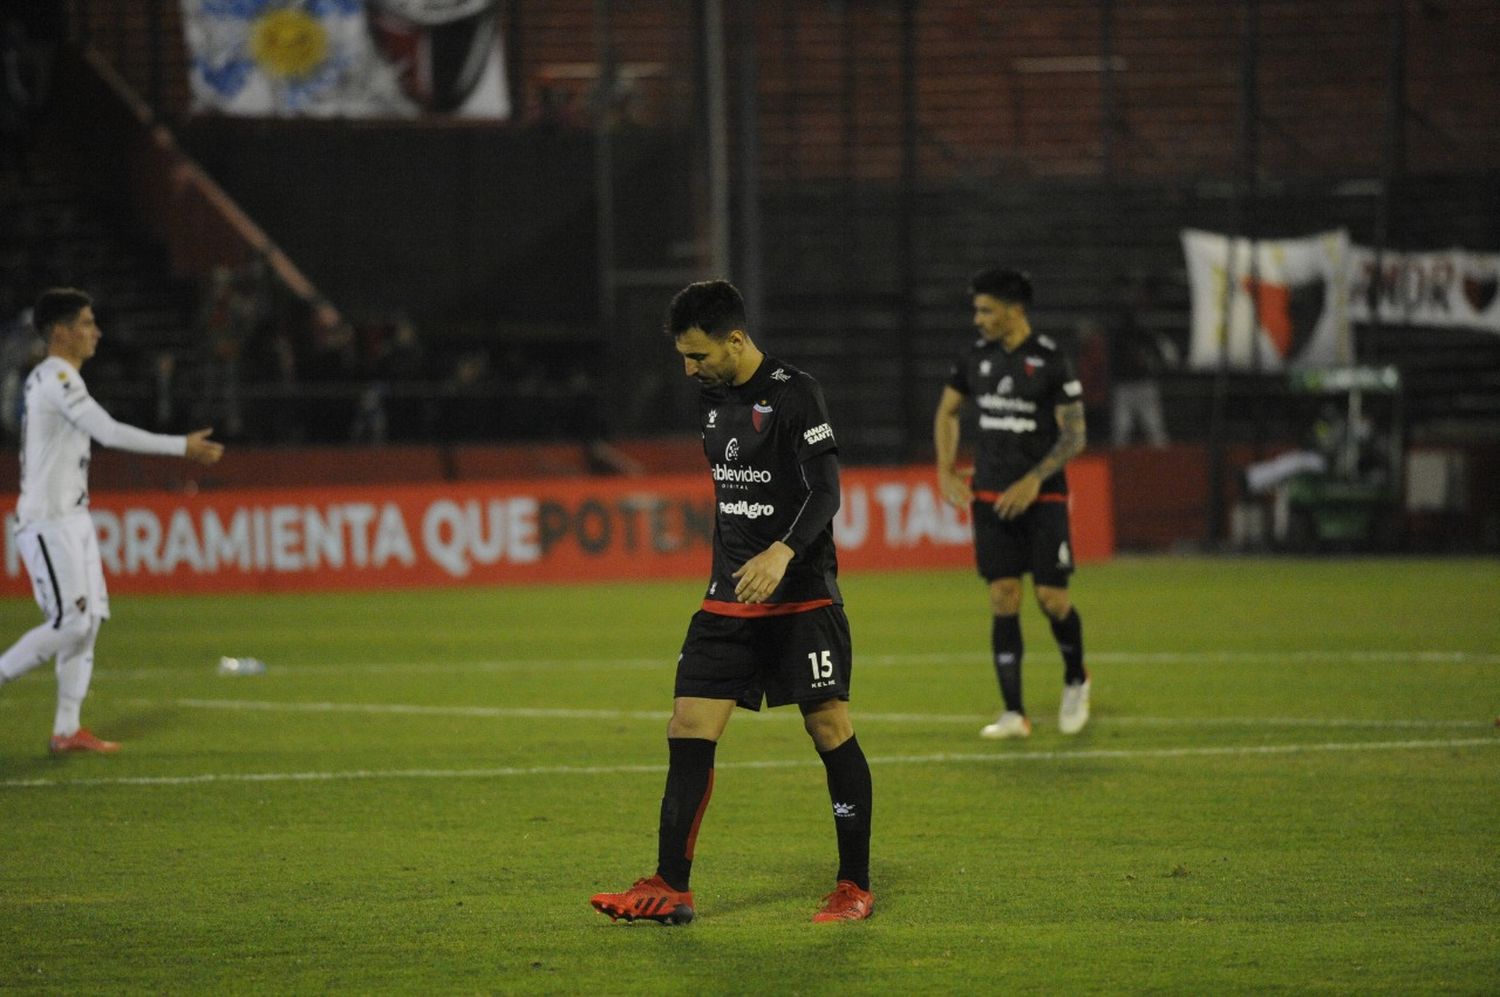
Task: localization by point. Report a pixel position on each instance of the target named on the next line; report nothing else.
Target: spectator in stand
(164, 373)
(401, 367)
(16, 97)
(20, 350)
(231, 309)
(1138, 356)
(1093, 371)
(470, 392)
(30, 34)
(281, 359)
(370, 423)
(330, 371)
(402, 356)
(274, 365)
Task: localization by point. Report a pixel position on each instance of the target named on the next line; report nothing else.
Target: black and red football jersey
(1018, 394)
(756, 436)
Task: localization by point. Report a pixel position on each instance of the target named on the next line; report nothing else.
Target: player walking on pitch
(772, 622)
(55, 533)
(1030, 425)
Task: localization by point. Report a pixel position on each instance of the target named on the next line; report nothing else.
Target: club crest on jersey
(760, 414)
(1033, 364)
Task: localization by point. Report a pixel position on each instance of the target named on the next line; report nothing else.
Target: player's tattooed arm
(1071, 437)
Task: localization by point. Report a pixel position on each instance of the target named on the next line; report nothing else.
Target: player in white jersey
(54, 533)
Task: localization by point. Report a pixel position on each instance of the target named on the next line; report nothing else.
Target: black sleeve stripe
(787, 536)
(820, 504)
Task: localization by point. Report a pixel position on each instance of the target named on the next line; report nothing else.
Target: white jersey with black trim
(59, 421)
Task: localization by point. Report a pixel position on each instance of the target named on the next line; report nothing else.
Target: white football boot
(1074, 711)
(1008, 724)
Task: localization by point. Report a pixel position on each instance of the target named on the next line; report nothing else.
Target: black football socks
(690, 782)
(849, 789)
(1005, 639)
(1069, 634)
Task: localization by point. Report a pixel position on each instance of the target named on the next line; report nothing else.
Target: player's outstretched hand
(202, 449)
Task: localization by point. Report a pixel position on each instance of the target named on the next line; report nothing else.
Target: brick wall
(1018, 87)
(1006, 87)
(1017, 121)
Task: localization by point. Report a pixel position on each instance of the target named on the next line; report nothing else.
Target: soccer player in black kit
(1030, 425)
(772, 622)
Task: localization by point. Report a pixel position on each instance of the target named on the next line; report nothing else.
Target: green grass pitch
(1291, 782)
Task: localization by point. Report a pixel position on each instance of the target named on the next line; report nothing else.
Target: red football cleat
(847, 902)
(82, 739)
(649, 899)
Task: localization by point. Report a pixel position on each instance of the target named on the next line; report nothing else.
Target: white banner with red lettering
(564, 530)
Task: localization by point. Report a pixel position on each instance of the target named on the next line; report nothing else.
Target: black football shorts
(1037, 541)
(796, 658)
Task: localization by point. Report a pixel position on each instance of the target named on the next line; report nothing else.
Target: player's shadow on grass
(124, 729)
(138, 724)
(790, 882)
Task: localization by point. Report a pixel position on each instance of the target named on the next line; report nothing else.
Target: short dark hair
(1010, 286)
(715, 306)
(57, 305)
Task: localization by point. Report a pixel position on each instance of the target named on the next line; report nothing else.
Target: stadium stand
(899, 150)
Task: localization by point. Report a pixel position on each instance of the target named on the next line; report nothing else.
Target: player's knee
(63, 638)
(1005, 597)
(1054, 602)
(698, 718)
(74, 626)
(828, 728)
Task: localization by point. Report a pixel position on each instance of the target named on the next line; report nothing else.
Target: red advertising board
(505, 532)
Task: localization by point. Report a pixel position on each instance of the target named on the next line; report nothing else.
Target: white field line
(666, 662)
(941, 758)
(860, 716)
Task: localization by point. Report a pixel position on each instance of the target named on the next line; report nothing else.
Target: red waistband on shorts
(756, 609)
(993, 497)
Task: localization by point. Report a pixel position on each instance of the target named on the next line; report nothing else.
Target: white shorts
(67, 575)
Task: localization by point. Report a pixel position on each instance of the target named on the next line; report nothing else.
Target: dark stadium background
(849, 164)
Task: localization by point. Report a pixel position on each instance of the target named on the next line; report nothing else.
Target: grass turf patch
(1288, 783)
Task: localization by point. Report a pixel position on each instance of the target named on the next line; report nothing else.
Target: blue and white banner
(346, 58)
